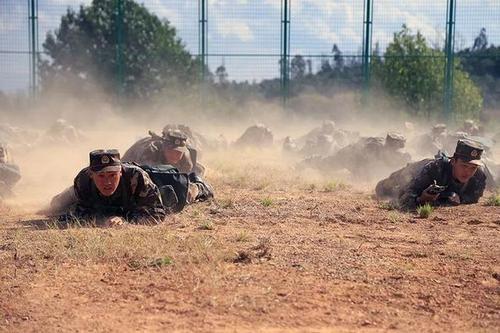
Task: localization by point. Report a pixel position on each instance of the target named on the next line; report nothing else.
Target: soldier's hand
(454, 199)
(114, 221)
(427, 197)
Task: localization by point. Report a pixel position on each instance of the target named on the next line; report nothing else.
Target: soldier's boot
(385, 189)
(169, 198)
(62, 203)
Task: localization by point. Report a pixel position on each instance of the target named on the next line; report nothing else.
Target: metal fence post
(203, 46)
(367, 47)
(285, 50)
(449, 62)
(33, 45)
(120, 66)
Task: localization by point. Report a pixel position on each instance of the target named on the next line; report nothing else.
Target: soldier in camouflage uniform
(171, 148)
(112, 192)
(455, 180)
(9, 172)
(365, 158)
(429, 144)
(256, 136)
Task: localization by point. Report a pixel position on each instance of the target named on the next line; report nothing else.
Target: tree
(297, 67)
(337, 57)
(221, 74)
(482, 62)
(481, 41)
(82, 52)
(414, 72)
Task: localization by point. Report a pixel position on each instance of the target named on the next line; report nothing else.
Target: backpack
(173, 185)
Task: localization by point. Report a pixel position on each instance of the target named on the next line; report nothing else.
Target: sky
(240, 30)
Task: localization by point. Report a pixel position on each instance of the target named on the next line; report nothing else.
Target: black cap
(105, 160)
(175, 139)
(469, 151)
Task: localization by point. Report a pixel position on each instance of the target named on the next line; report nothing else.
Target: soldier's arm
(147, 201)
(203, 190)
(83, 209)
(475, 190)
(408, 198)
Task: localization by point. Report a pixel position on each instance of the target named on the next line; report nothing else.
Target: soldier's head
(4, 153)
(174, 146)
(395, 140)
(105, 170)
(438, 129)
(328, 126)
(469, 124)
(466, 160)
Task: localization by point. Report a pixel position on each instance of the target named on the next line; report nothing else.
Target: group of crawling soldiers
(160, 174)
(461, 178)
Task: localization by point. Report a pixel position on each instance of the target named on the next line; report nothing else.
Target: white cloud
(164, 11)
(236, 28)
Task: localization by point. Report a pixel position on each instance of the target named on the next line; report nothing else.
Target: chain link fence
(290, 44)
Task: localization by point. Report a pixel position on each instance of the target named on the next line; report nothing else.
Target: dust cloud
(49, 163)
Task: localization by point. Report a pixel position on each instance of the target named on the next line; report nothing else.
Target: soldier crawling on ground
(440, 181)
(112, 192)
(169, 149)
(9, 172)
(429, 143)
(365, 157)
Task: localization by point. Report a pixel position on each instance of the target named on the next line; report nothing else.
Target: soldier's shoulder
(130, 169)
(480, 175)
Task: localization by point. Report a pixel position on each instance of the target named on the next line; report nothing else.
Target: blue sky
(253, 27)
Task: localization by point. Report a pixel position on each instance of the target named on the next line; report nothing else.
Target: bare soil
(264, 256)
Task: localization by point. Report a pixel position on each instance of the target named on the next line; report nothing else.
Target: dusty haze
(48, 168)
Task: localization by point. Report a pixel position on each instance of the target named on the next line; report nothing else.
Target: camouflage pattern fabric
(136, 197)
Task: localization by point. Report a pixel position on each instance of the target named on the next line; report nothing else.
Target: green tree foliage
(82, 52)
(414, 72)
(482, 62)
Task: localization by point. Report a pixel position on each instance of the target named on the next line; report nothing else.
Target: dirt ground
(272, 253)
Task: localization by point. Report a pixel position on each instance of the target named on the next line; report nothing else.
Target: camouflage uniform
(9, 172)
(136, 197)
(408, 184)
(149, 151)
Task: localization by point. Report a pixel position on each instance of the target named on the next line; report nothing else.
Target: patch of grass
(242, 236)
(387, 205)
(311, 187)
(206, 225)
(267, 202)
(160, 262)
(260, 185)
(226, 203)
(394, 217)
(333, 186)
(493, 200)
(425, 211)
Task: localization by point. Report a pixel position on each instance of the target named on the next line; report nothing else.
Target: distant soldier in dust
(366, 158)
(169, 149)
(451, 181)
(430, 143)
(257, 136)
(9, 172)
